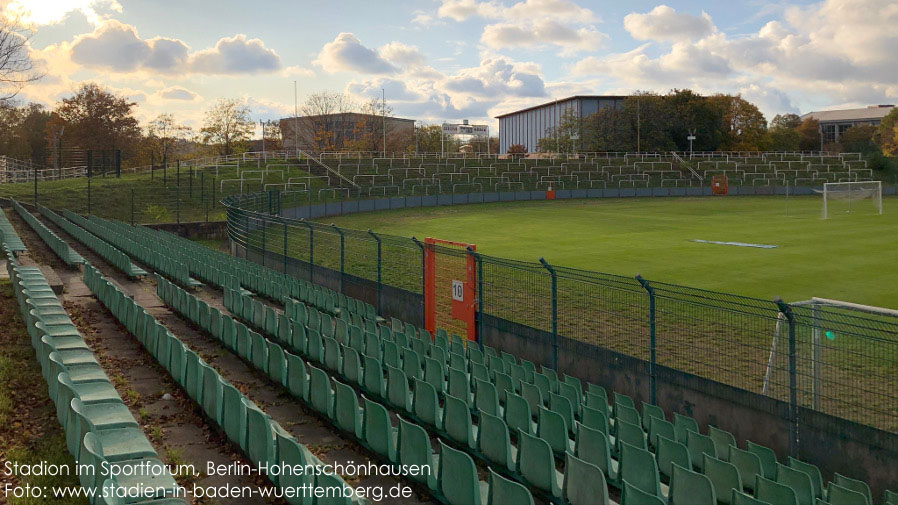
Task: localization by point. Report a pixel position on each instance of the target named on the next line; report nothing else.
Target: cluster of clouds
(837, 52)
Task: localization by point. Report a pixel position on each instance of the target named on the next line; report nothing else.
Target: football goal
(845, 196)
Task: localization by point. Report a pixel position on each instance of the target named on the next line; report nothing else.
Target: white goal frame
(871, 189)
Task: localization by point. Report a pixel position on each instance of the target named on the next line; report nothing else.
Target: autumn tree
(326, 119)
(859, 139)
(163, 134)
(271, 133)
(368, 131)
(785, 122)
(744, 126)
(809, 135)
(428, 138)
(563, 137)
(16, 65)
(887, 133)
(228, 126)
(97, 119)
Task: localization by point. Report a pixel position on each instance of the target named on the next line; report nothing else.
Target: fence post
(178, 203)
(423, 282)
(651, 291)
(380, 284)
(793, 378)
(285, 247)
(35, 186)
(90, 172)
(479, 322)
(311, 249)
(554, 312)
(342, 255)
(203, 188)
(264, 250)
(213, 191)
(132, 206)
(189, 182)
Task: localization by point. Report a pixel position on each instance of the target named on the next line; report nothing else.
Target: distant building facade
(329, 132)
(834, 122)
(527, 126)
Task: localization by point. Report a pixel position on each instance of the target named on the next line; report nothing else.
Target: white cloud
(235, 55)
(559, 10)
(543, 33)
(403, 55)
(346, 53)
(665, 24)
(118, 46)
(179, 93)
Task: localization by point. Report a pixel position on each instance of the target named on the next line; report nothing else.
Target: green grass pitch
(848, 257)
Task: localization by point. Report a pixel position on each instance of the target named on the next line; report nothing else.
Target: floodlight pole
(296, 124)
(383, 113)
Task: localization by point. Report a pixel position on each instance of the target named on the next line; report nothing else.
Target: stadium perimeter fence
(812, 359)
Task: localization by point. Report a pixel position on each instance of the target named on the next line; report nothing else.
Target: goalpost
(851, 192)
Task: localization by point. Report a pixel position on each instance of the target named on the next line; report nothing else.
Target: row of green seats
(59, 246)
(115, 257)
(148, 252)
(8, 235)
(454, 479)
(100, 430)
(358, 362)
(260, 437)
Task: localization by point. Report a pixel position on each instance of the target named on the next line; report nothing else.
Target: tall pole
(295, 122)
(638, 125)
(383, 113)
(262, 125)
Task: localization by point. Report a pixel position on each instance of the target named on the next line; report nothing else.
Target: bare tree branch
(16, 66)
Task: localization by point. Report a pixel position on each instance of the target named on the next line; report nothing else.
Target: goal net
(847, 197)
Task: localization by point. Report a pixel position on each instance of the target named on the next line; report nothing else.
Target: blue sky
(447, 60)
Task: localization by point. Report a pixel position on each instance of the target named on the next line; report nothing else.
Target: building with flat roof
(335, 132)
(527, 126)
(834, 122)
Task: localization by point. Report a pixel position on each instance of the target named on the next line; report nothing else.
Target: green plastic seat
(564, 407)
(347, 413)
(277, 364)
(724, 477)
(533, 395)
(118, 444)
(890, 497)
(638, 467)
(773, 492)
(536, 464)
(339, 495)
(650, 411)
(854, 485)
(259, 434)
(494, 441)
(398, 391)
(699, 444)
(426, 404)
(517, 414)
(682, 425)
(373, 346)
(297, 377)
(767, 458)
(596, 419)
(242, 343)
(508, 492)
(552, 428)
(659, 427)
(88, 392)
(83, 419)
(627, 414)
(457, 421)
(632, 495)
(212, 394)
(374, 378)
(315, 346)
(378, 433)
(259, 351)
(352, 366)
(740, 498)
(411, 364)
(486, 399)
(748, 464)
(543, 384)
(584, 483)
(594, 447)
(435, 374)
(391, 354)
(572, 382)
(414, 449)
(459, 361)
(812, 471)
(722, 441)
(299, 338)
(321, 395)
(458, 481)
(504, 385)
(690, 488)
(799, 481)
(291, 453)
(670, 452)
(459, 386)
(440, 355)
(838, 495)
(628, 433)
(332, 358)
(285, 329)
